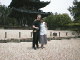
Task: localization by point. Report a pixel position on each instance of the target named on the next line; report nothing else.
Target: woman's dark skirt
(43, 39)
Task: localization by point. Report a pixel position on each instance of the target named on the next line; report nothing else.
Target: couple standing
(39, 32)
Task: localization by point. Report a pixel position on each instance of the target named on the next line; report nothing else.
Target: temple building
(25, 11)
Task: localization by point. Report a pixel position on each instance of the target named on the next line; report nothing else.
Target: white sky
(59, 6)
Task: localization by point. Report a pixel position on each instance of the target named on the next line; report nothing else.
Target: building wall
(24, 34)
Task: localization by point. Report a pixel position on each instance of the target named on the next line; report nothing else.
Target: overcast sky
(59, 6)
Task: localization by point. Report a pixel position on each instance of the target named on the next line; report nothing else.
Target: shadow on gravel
(30, 40)
(16, 40)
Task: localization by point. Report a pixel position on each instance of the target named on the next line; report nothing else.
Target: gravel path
(54, 50)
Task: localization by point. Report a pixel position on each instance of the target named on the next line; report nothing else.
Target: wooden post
(19, 34)
(5, 34)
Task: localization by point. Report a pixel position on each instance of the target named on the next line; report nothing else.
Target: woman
(43, 33)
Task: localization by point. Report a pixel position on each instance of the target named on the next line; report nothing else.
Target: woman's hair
(39, 15)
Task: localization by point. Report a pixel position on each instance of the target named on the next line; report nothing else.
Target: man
(36, 31)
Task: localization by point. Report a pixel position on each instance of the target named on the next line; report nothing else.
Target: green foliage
(75, 10)
(4, 19)
(58, 21)
(74, 26)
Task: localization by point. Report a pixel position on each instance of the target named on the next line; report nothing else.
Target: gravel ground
(54, 50)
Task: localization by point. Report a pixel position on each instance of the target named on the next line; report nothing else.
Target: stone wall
(24, 34)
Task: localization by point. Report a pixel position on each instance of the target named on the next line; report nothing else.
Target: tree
(4, 11)
(5, 20)
(58, 21)
(75, 11)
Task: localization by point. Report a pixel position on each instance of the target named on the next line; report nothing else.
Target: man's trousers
(36, 36)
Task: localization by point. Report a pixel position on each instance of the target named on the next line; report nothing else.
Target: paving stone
(54, 50)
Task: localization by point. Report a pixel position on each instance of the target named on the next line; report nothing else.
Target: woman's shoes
(42, 47)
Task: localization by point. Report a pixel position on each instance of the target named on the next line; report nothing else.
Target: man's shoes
(34, 48)
(37, 47)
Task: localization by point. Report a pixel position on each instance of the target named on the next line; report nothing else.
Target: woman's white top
(43, 28)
